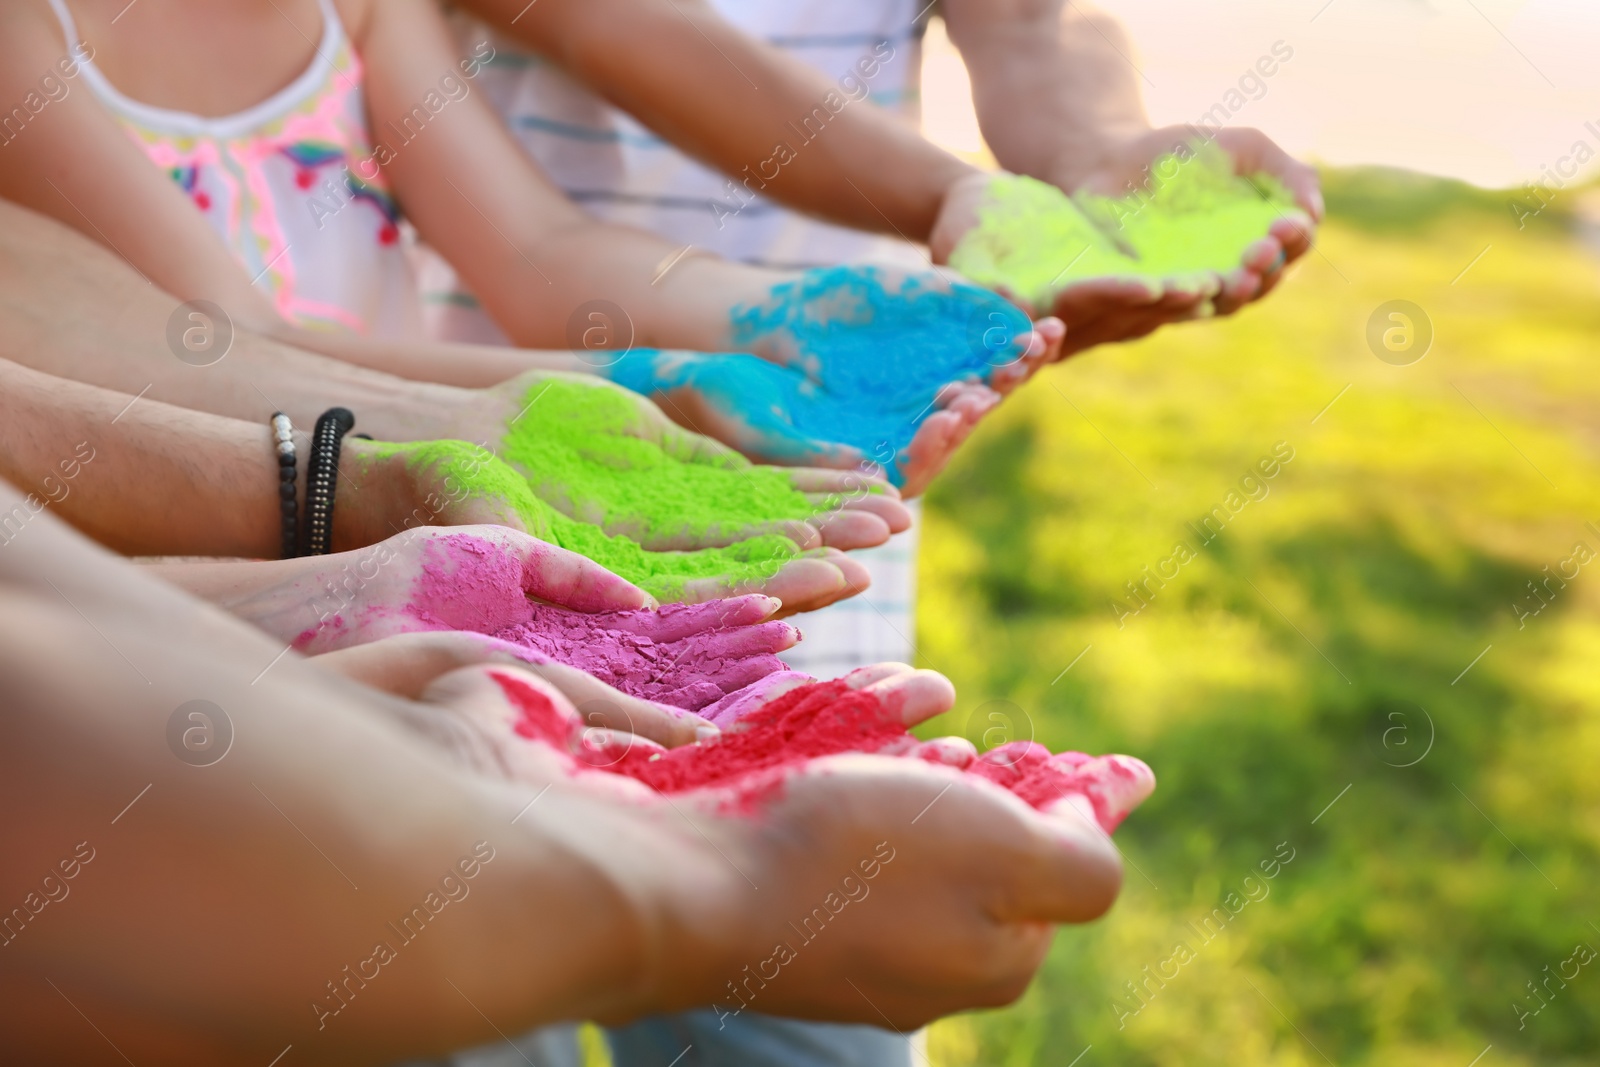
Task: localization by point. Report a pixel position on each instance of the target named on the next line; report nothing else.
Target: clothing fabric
(701, 1039)
(291, 187)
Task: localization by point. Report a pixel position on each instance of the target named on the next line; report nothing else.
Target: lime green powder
(1196, 217)
(571, 445)
(576, 444)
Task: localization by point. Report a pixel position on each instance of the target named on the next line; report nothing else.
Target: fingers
(1075, 870)
(804, 534)
(1088, 300)
(564, 578)
(600, 707)
(850, 528)
(1111, 786)
(942, 433)
(674, 622)
(1045, 347)
(491, 707)
(809, 584)
(726, 712)
(914, 695)
(1295, 233)
(843, 482)
(738, 642)
(888, 508)
(804, 584)
(406, 664)
(955, 752)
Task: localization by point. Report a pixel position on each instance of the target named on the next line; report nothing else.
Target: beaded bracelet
(322, 475)
(288, 502)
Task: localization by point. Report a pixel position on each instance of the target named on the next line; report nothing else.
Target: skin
(135, 474)
(466, 186)
(1055, 96)
(338, 605)
(600, 901)
(70, 307)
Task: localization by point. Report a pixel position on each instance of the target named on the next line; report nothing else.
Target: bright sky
(1491, 91)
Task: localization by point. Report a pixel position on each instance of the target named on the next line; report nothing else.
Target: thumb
(566, 579)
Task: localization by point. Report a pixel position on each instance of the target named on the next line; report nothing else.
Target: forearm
(287, 852)
(140, 477)
(70, 308)
(731, 100)
(1053, 82)
(464, 366)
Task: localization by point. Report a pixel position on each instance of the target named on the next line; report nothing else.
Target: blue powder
(864, 351)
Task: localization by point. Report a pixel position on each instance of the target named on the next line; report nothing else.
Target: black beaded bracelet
(322, 476)
(288, 501)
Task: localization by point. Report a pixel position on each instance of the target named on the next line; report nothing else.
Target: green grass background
(1307, 649)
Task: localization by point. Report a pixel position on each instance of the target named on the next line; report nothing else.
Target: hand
(937, 888)
(1261, 265)
(388, 488)
(491, 591)
(715, 395)
(1107, 310)
(407, 663)
(639, 444)
(864, 358)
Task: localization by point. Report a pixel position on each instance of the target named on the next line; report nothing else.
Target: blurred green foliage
(1317, 643)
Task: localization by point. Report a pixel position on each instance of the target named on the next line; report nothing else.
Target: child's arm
(525, 250)
(729, 99)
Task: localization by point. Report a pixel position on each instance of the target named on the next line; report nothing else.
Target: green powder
(1195, 217)
(605, 475)
(575, 444)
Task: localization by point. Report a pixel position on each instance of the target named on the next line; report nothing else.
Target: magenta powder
(684, 655)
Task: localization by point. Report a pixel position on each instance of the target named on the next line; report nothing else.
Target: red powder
(814, 720)
(823, 719)
(541, 720)
(1113, 785)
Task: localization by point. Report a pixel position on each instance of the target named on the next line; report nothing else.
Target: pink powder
(722, 653)
(683, 655)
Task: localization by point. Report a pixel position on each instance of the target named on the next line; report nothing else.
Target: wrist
(1080, 154)
(371, 490)
(958, 212)
(701, 293)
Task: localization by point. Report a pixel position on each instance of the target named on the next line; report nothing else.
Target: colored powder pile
(617, 647)
(867, 352)
(576, 444)
(468, 472)
(828, 718)
(1195, 217)
(685, 656)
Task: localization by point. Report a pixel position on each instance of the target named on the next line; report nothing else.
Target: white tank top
(292, 188)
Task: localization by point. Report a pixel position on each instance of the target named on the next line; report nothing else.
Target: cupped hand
(845, 511)
(937, 889)
(1108, 310)
(393, 487)
(721, 396)
(1123, 165)
(406, 664)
